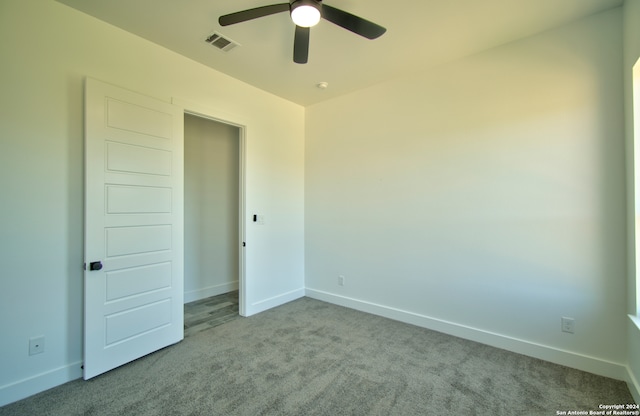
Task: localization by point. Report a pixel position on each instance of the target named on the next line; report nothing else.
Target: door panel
(128, 241)
(139, 119)
(123, 325)
(137, 159)
(136, 280)
(138, 200)
(133, 225)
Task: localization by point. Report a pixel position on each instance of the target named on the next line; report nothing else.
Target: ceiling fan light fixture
(305, 13)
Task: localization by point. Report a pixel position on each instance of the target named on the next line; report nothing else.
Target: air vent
(221, 42)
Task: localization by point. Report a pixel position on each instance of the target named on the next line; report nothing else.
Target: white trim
(209, 291)
(190, 107)
(567, 358)
(210, 112)
(278, 300)
(22, 389)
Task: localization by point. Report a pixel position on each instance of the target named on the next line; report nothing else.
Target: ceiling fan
(305, 14)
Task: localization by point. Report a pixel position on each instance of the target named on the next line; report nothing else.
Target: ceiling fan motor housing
(306, 13)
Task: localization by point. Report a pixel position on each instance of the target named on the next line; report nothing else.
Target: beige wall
(484, 198)
(47, 51)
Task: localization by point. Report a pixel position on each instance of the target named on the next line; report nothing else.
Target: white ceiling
(420, 34)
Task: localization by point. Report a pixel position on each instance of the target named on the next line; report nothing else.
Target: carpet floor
(313, 358)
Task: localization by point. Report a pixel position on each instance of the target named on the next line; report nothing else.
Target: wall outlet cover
(36, 345)
(568, 325)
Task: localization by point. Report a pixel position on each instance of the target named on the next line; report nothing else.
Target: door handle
(95, 265)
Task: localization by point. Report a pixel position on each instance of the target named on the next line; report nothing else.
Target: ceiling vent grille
(221, 42)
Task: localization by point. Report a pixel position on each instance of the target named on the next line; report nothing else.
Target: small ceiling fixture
(305, 13)
(322, 85)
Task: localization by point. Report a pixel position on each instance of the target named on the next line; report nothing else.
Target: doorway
(212, 217)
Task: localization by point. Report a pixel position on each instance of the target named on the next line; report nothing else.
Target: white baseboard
(40, 382)
(567, 358)
(634, 386)
(265, 304)
(632, 378)
(209, 291)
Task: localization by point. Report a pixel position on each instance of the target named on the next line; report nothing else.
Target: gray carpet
(312, 358)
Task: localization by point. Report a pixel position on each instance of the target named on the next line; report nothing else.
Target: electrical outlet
(568, 325)
(36, 345)
(341, 280)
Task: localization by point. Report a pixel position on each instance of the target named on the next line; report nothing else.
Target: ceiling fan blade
(351, 22)
(301, 45)
(243, 16)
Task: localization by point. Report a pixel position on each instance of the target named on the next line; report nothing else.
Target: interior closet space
(211, 208)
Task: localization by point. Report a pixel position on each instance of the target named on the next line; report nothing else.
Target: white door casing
(133, 226)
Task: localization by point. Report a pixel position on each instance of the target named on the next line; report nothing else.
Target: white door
(133, 226)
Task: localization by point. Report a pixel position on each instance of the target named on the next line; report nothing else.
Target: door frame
(198, 110)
